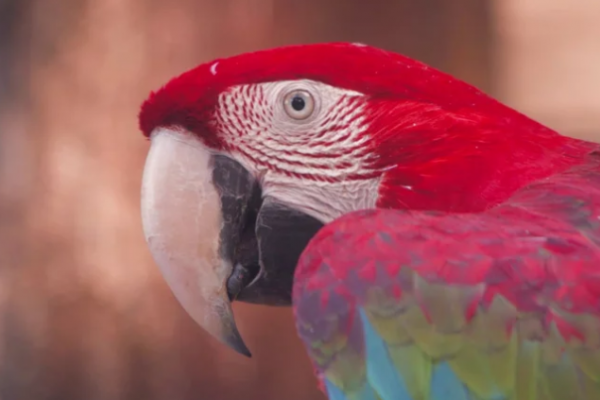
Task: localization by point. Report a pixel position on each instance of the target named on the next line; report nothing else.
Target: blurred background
(84, 313)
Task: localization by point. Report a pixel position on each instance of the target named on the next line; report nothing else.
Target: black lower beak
(281, 233)
(262, 237)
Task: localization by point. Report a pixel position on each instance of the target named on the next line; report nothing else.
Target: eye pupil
(298, 103)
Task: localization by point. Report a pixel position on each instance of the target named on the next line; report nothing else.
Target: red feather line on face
(245, 128)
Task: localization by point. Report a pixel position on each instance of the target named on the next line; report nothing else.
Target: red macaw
(433, 242)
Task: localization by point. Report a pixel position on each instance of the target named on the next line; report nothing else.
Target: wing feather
(502, 305)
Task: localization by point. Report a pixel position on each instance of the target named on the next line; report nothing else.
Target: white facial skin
(301, 157)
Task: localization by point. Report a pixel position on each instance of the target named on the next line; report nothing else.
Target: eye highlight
(299, 104)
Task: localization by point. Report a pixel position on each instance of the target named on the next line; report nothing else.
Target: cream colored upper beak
(182, 221)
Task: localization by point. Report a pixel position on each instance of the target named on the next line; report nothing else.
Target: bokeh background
(84, 313)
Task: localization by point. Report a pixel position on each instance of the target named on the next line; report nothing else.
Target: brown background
(84, 313)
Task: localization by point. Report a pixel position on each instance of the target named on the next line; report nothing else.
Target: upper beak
(190, 238)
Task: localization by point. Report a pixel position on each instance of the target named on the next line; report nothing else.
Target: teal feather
(387, 381)
(381, 372)
(445, 385)
(335, 393)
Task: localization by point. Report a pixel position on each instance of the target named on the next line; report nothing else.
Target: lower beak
(190, 236)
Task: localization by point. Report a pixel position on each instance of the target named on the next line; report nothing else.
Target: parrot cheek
(193, 212)
(281, 233)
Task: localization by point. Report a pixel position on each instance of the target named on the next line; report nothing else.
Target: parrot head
(251, 155)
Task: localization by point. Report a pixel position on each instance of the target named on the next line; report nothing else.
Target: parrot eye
(299, 104)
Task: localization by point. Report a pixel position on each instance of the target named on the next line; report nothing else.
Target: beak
(213, 236)
(189, 236)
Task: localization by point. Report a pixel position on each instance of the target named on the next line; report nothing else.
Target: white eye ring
(299, 104)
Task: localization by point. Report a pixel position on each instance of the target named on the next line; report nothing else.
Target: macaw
(434, 243)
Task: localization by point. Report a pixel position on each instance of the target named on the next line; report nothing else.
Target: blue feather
(389, 384)
(381, 372)
(335, 393)
(445, 385)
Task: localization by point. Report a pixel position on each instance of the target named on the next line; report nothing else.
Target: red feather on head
(443, 143)
(369, 70)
